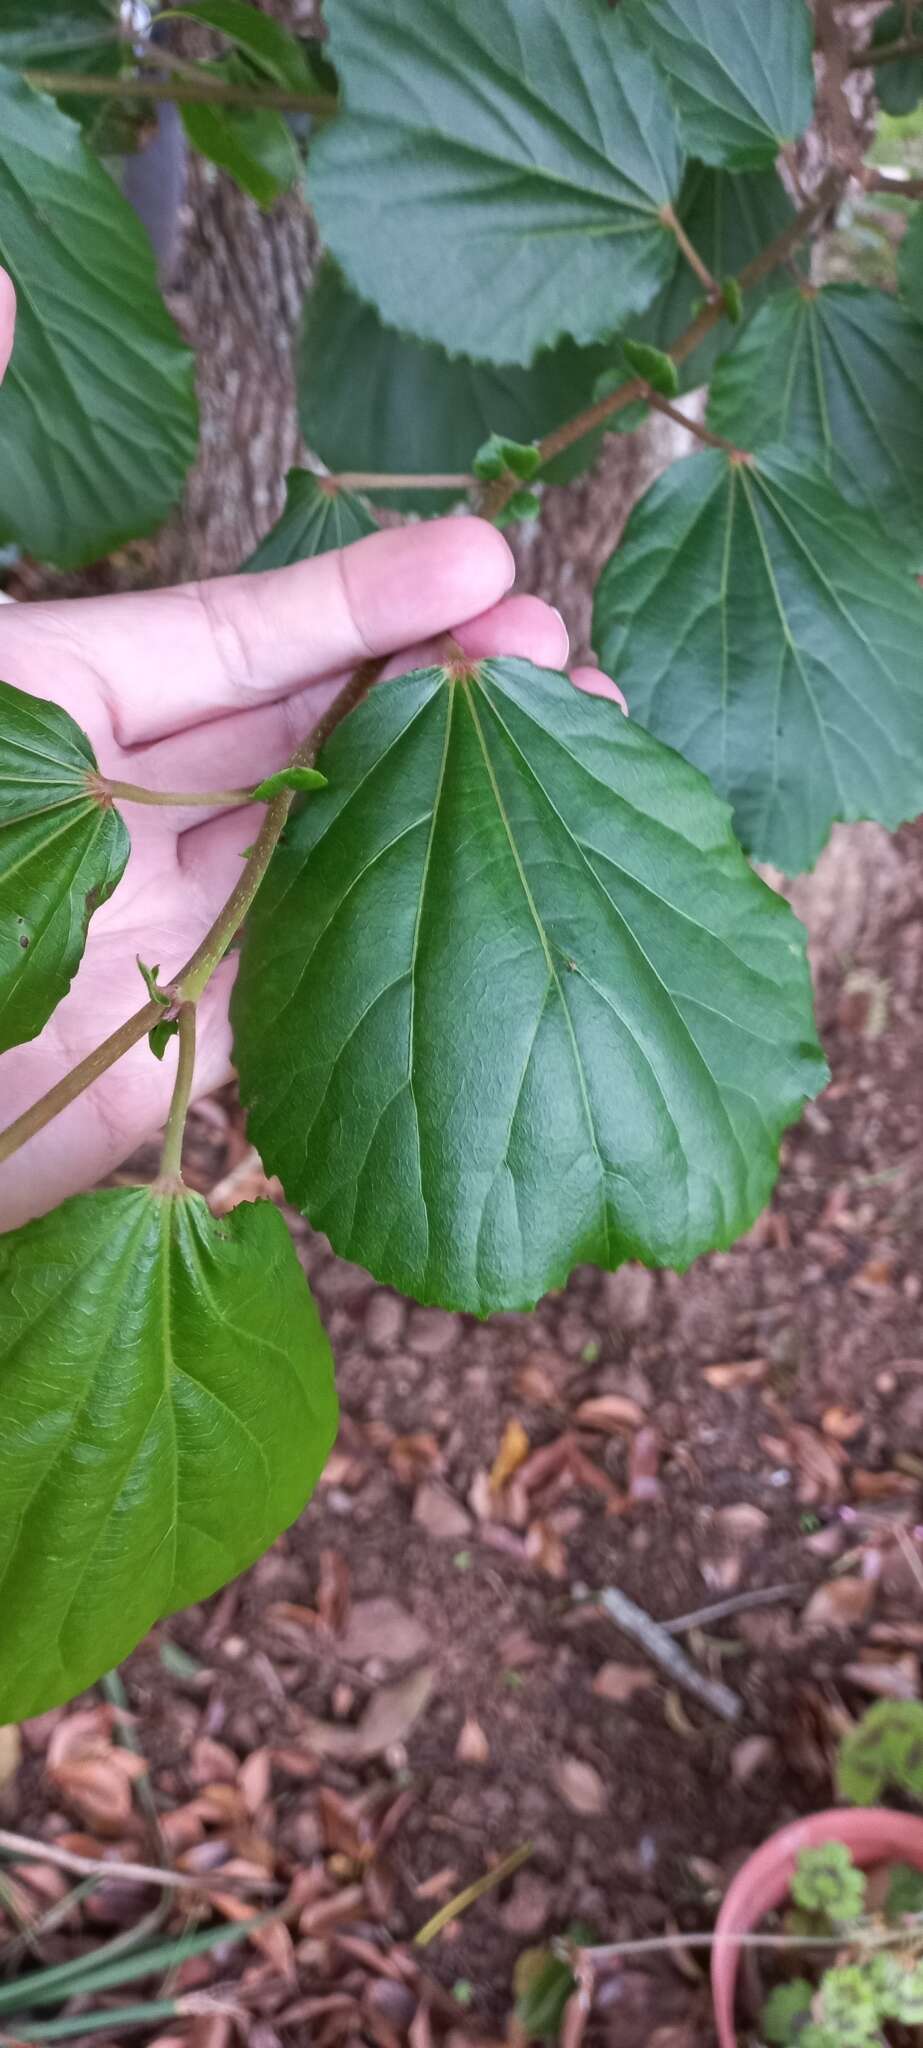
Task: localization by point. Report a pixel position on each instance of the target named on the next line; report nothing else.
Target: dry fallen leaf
(472, 1746)
(614, 1414)
(440, 1514)
(742, 1372)
(579, 1785)
(382, 1628)
(842, 1423)
(819, 1462)
(387, 1719)
(886, 1679)
(513, 1452)
(622, 1682)
(839, 1604)
(416, 1457)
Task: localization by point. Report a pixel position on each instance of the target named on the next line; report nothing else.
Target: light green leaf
(910, 263)
(498, 175)
(318, 516)
(166, 1407)
(149, 976)
(772, 633)
(476, 1020)
(62, 853)
(899, 85)
(885, 1750)
(908, 1996)
(159, 1037)
(837, 375)
(729, 220)
(275, 53)
(657, 369)
(97, 412)
(522, 505)
(848, 2007)
(785, 2011)
(255, 145)
(289, 778)
(373, 399)
(827, 1881)
(743, 82)
(500, 457)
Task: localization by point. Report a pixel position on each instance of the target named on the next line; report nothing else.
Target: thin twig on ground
(660, 1647)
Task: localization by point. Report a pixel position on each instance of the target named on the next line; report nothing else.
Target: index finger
(169, 659)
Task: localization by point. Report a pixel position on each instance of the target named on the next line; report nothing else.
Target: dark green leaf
(166, 1406)
(254, 145)
(289, 778)
(475, 1019)
(657, 369)
(837, 375)
(743, 81)
(905, 1890)
(910, 264)
(498, 175)
(159, 1037)
(522, 505)
(373, 399)
(61, 854)
(39, 34)
(279, 56)
(97, 411)
(899, 85)
(729, 220)
(733, 300)
(543, 1983)
(498, 457)
(772, 633)
(317, 517)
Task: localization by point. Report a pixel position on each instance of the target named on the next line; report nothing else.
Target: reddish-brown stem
(702, 433)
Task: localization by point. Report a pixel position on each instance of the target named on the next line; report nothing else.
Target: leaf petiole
(171, 1158)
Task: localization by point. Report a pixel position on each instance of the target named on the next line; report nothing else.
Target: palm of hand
(211, 688)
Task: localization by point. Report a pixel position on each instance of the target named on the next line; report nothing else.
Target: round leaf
(166, 1406)
(742, 80)
(316, 518)
(97, 411)
(771, 632)
(837, 375)
(373, 399)
(61, 854)
(478, 1020)
(497, 178)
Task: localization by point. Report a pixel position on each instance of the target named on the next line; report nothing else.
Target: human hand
(212, 686)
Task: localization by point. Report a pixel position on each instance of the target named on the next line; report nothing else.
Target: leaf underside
(742, 78)
(166, 1406)
(314, 520)
(98, 418)
(497, 176)
(772, 633)
(837, 375)
(511, 999)
(61, 855)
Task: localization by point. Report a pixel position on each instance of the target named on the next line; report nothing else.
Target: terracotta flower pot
(873, 1834)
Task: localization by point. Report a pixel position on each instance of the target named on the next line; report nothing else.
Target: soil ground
(757, 1423)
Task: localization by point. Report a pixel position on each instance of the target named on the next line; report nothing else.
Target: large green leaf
(730, 219)
(899, 85)
(166, 1406)
(97, 412)
(837, 375)
(373, 399)
(497, 178)
(61, 854)
(742, 77)
(315, 520)
(511, 998)
(910, 264)
(772, 632)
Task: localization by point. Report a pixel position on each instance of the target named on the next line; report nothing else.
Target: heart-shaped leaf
(97, 411)
(837, 375)
(772, 632)
(166, 1407)
(498, 175)
(62, 852)
(511, 998)
(317, 517)
(742, 79)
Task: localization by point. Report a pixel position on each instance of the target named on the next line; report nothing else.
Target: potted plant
(849, 1963)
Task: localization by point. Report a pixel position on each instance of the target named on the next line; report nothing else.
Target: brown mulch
(412, 1684)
